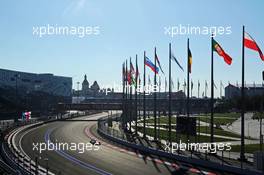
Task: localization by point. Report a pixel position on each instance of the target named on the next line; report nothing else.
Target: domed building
(85, 86)
(89, 91)
(95, 87)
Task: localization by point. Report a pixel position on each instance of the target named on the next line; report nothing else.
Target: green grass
(251, 148)
(221, 118)
(183, 137)
(163, 120)
(217, 131)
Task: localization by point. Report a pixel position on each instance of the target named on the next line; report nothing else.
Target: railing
(106, 130)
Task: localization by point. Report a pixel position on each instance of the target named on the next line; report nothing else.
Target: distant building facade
(232, 91)
(31, 82)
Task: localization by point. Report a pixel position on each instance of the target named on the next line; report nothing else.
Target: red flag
(217, 48)
(250, 43)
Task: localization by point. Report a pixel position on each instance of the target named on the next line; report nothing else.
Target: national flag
(159, 81)
(189, 60)
(151, 65)
(184, 85)
(129, 80)
(149, 81)
(178, 85)
(132, 74)
(132, 70)
(174, 58)
(215, 86)
(124, 72)
(165, 84)
(250, 43)
(137, 72)
(157, 59)
(217, 48)
(172, 84)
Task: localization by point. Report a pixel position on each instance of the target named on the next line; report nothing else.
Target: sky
(127, 28)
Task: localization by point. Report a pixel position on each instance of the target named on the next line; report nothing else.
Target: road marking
(89, 134)
(75, 160)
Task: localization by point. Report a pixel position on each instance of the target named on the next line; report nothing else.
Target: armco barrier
(193, 161)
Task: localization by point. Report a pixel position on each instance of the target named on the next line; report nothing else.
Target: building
(88, 91)
(232, 91)
(25, 83)
(85, 86)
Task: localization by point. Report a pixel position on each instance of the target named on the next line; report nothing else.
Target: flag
(250, 43)
(191, 85)
(172, 84)
(184, 85)
(165, 84)
(124, 72)
(132, 74)
(157, 59)
(217, 48)
(159, 81)
(174, 58)
(149, 81)
(189, 60)
(178, 85)
(215, 86)
(137, 72)
(129, 80)
(151, 65)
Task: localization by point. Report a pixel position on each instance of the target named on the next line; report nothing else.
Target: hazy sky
(128, 28)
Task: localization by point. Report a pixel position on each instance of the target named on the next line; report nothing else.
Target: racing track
(107, 160)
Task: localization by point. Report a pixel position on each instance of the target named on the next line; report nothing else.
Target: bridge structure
(178, 105)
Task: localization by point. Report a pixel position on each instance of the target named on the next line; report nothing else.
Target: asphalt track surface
(108, 160)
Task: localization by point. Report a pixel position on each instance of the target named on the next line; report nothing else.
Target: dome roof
(95, 86)
(85, 82)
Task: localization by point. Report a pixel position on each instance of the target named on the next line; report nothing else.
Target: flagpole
(170, 141)
(144, 97)
(242, 151)
(130, 99)
(136, 95)
(159, 110)
(198, 89)
(126, 112)
(205, 88)
(123, 101)
(155, 98)
(212, 91)
(188, 88)
(191, 87)
(220, 89)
